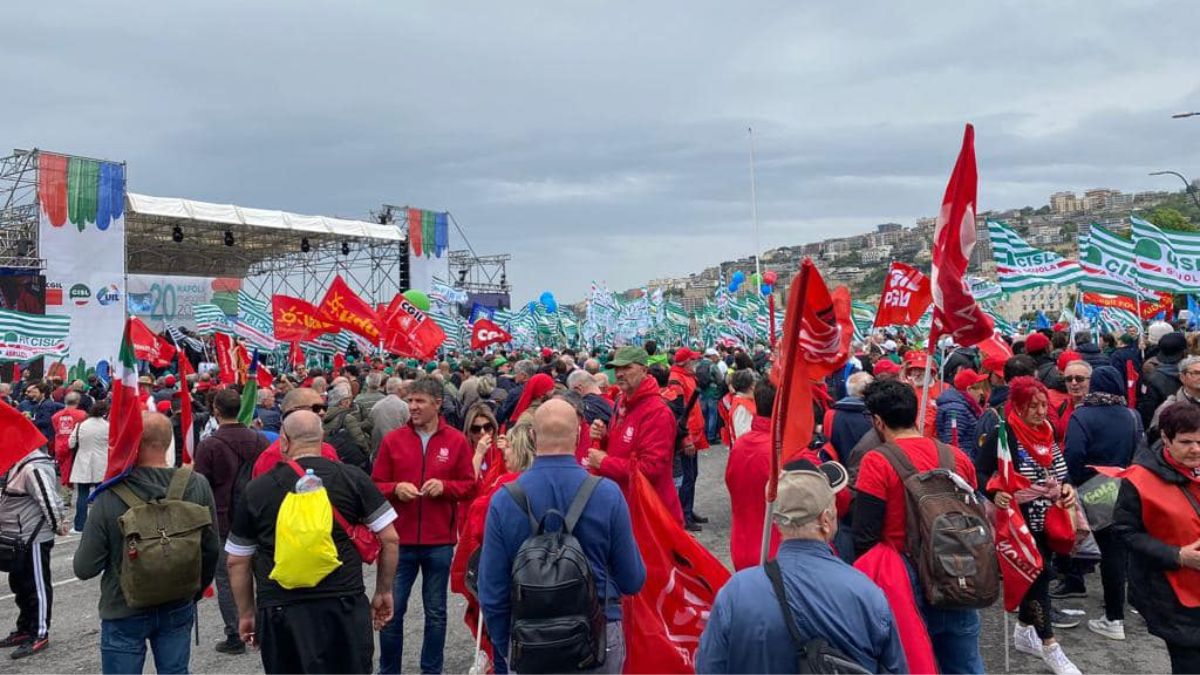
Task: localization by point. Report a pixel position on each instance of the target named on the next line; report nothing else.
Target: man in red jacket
(643, 432)
(424, 469)
(683, 381)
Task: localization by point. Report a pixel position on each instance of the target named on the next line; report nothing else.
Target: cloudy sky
(607, 140)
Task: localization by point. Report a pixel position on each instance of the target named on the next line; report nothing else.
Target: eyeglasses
(1075, 378)
(316, 408)
(1192, 373)
(480, 428)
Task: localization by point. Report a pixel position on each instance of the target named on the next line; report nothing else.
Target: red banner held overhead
(486, 332)
(297, 319)
(1166, 302)
(955, 311)
(906, 296)
(342, 307)
(148, 345)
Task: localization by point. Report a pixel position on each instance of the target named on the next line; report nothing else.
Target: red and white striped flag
(1020, 561)
(955, 311)
(124, 418)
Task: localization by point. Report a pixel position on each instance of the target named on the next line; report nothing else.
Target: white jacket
(90, 441)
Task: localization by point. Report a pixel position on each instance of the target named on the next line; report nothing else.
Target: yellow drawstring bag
(304, 549)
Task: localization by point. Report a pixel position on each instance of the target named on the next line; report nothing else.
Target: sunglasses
(1075, 378)
(480, 428)
(316, 408)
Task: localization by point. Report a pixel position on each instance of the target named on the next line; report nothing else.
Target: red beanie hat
(1066, 357)
(1036, 343)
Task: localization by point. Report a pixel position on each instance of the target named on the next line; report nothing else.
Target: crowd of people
(459, 471)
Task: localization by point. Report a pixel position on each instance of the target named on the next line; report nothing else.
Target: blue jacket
(603, 530)
(851, 422)
(828, 598)
(1101, 435)
(41, 414)
(954, 404)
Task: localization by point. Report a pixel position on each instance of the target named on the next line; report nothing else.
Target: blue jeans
(168, 629)
(81, 504)
(433, 563)
(953, 632)
(712, 421)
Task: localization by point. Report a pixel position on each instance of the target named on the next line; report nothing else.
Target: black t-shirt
(352, 494)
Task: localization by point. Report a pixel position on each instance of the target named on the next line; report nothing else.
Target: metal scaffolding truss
(19, 212)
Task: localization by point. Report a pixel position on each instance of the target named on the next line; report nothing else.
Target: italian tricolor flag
(125, 417)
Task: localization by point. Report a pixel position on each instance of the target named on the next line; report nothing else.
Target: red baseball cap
(163, 407)
(683, 355)
(915, 359)
(993, 363)
(169, 380)
(886, 367)
(547, 352)
(967, 378)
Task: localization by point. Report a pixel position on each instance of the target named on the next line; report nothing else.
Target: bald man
(554, 482)
(325, 628)
(301, 398)
(125, 631)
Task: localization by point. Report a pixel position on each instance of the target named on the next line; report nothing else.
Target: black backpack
(348, 450)
(814, 655)
(558, 623)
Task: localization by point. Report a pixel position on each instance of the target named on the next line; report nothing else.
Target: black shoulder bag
(815, 655)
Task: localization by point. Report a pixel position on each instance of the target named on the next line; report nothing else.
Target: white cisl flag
(955, 311)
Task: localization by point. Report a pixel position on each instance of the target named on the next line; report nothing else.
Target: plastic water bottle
(309, 482)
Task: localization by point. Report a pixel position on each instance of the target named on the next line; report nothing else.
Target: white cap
(1157, 330)
(890, 345)
(711, 352)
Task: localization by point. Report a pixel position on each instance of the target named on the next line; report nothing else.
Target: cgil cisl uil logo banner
(82, 239)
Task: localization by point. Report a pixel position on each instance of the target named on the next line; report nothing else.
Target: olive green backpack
(162, 551)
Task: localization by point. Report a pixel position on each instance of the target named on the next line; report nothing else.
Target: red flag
(342, 307)
(486, 332)
(296, 319)
(125, 416)
(226, 369)
(1020, 561)
(241, 362)
(954, 308)
(296, 354)
(16, 373)
(409, 331)
(1131, 381)
(20, 437)
(185, 409)
(905, 298)
(264, 377)
(339, 362)
(663, 622)
(816, 341)
(148, 345)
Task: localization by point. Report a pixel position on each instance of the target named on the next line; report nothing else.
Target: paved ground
(75, 634)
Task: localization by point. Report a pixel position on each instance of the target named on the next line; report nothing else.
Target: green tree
(1169, 218)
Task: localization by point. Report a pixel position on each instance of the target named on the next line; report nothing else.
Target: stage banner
(159, 300)
(428, 248)
(82, 239)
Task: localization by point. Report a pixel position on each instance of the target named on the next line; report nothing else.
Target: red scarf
(1039, 442)
(1186, 472)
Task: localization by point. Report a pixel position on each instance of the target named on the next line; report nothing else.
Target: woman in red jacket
(517, 448)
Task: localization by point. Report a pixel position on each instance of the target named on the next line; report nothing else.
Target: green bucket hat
(499, 361)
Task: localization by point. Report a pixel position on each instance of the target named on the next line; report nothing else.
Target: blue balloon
(766, 289)
(738, 277)
(733, 286)
(548, 302)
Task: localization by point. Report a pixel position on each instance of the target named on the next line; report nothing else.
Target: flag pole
(754, 206)
(924, 391)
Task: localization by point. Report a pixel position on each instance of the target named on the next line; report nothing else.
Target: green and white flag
(211, 319)
(1020, 266)
(1108, 265)
(28, 336)
(1166, 261)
